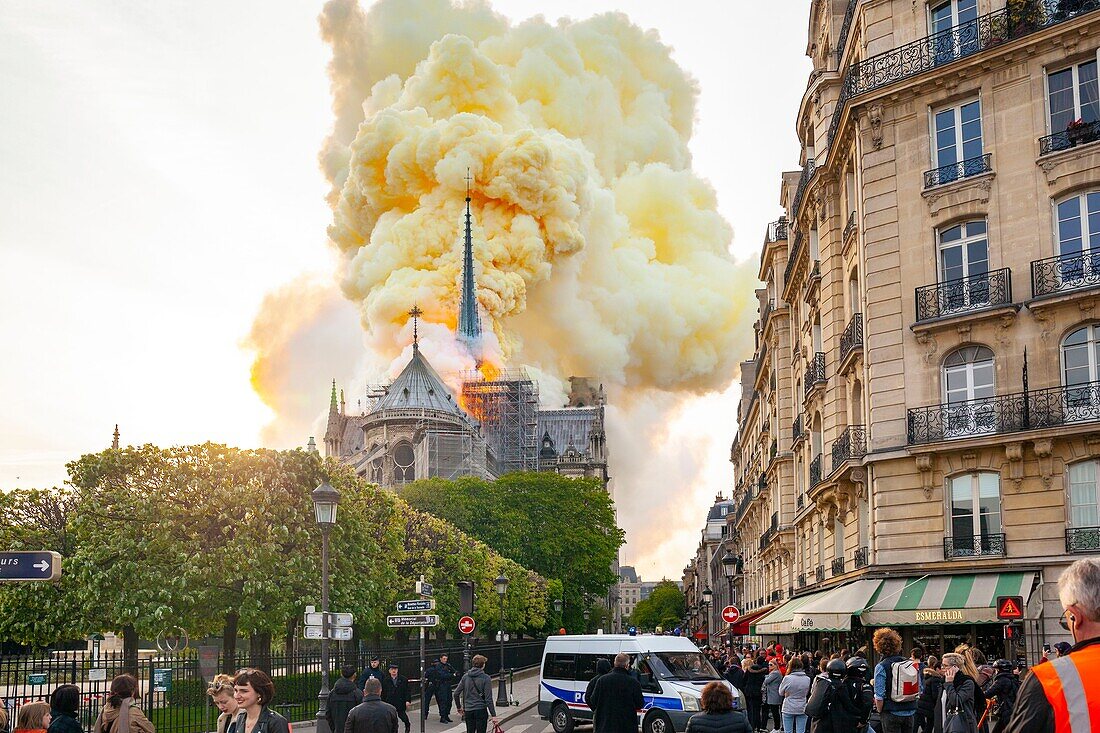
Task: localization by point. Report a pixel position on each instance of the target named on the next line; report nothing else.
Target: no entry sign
(730, 614)
(466, 625)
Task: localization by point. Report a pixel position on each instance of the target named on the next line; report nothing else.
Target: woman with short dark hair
(254, 691)
(64, 703)
(122, 713)
(718, 715)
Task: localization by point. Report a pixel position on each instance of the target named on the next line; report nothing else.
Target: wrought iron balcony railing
(774, 526)
(766, 427)
(800, 501)
(852, 338)
(1083, 539)
(777, 230)
(761, 485)
(815, 372)
(861, 558)
(846, 26)
(1011, 413)
(849, 227)
(773, 450)
(803, 182)
(958, 171)
(796, 429)
(815, 471)
(1071, 137)
(964, 295)
(819, 574)
(1064, 273)
(838, 566)
(983, 545)
(802, 580)
(768, 308)
(852, 443)
(775, 596)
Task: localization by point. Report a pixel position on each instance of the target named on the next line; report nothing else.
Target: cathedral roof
(418, 387)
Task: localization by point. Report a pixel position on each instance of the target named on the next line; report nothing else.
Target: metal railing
(765, 427)
(846, 26)
(958, 171)
(800, 501)
(838, 566)
(792, 259)
(849, 227)
(852, 443)
(1042, 408)
(768, 308)
(803, 182)
(775, 596)
(796, 429)
(819, 574)
(1064, 273)
(777, 230)
(861, 558)
(815, 471)
(774, 526)
(815, 372)
(802, 580)
(983, 545)
(852, 338)
(963, 295)
(1071, 137)
(1083, 539)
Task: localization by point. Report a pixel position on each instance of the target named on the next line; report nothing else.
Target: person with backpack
(862, 693)
(474, 696)
(1003, 688)
(830, 705)
(897, 684)
(122, 713)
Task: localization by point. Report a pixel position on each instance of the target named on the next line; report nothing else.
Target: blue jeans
(794, 723)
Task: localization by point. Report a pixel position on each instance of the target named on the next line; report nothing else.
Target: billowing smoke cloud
(599, 252)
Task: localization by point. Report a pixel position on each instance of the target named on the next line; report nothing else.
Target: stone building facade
(920, 427)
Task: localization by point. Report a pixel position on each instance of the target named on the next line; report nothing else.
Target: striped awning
(833, 611)
(779, 620)
(944, 599)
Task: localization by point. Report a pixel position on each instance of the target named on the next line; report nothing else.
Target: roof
(568, 425)
(417, 387)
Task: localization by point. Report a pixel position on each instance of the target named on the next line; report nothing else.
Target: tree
(664, 607)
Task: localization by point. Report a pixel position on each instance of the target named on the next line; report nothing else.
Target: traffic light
(465, 598)
(1012, 632)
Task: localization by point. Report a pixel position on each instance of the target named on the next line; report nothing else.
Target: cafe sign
(931, 617)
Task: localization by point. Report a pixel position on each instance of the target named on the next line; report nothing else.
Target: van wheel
(561, 718)
(657, 722)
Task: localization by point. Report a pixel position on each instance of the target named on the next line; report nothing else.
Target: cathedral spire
(469, 320)
(415, 314)
(332, 399)
(114, 440)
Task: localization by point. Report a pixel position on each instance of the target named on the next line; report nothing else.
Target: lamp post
(501, 585)
(325, 501)
(729, 567)
(707, 595)
(587, 615)
(558, 605)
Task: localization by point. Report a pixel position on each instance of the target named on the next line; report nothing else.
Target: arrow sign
(427, 604)
(398, 622)
(21, 566)
(466, 625)
(1010, 608)
(730, 614)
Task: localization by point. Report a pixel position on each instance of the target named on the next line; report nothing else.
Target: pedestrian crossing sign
(1010, 608)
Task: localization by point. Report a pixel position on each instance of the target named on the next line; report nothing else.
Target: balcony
(958, 171)
(777, 230)
(776, 596)
(1011, 413)
(766, 427)
(819, 574)
(852, 338)
(768, 308)
(1083, 539)
(861, 559)
(774, 526)
(803, 183)
(801, 580)
(984, 545)
(797, 433)
(773, 450)
(849, 14)
(1065, 273)
(800, 502)
(849, 227)
(1071, 137)
(852, 443)
(792, 261)
(815, 373)
(815, 471)
(838, 566)
(965, 295)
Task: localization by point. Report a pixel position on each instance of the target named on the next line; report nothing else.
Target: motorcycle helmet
(836, 668)
(1003, 665)
(858, 665)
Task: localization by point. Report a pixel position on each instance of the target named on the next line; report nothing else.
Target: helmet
(836, 668)
(1003, 665)
(858, 665)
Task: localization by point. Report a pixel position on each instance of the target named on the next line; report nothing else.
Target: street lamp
(729, 567)
(707, 595)
(325, 500)
(587, 615)
(557, 605)
(501, 585)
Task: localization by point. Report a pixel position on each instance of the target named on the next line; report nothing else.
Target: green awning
(944, 599)
(779, 620)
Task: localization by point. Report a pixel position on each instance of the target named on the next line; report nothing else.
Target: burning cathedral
(415, 427)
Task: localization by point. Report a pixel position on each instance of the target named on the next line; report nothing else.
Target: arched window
(1081, 373)
(975, 506)
(377, 472)
(967, 390)
(403, 460)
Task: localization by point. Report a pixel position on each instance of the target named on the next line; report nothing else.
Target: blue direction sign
(17, 566)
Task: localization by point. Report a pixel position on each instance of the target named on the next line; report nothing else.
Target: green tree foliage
(664, 607)
(562, 528)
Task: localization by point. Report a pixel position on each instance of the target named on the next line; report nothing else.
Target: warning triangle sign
(1010, 607)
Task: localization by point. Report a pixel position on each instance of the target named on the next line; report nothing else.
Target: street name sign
(30, 566)
(340, 620)
(426, 604)
(314, 632)
(730, 614)
(38, 678)
(398, 622)
(424, 589)
(316, 618)
(466, 625)
(313, 618)
(340, 633)
(1010, 608)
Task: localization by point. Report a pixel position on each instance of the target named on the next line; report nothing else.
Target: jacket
(959, 695)
(930, 695)
(268, 722)
(1003, 687)
(344, 696)
(794, 689)
(475, 691)
(441, 674)
(372, 716)
(843, 712)
(754, 680)
(736, 677)
(1033, 712)
(395, 691)
(225, 722)
(771, 688)
(107, 717)
(615, 702)
(602, 667)
(62, 722)
(888, 704)
(733, 721)
(376, 672)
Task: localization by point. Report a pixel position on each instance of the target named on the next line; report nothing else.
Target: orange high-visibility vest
(1072, 687)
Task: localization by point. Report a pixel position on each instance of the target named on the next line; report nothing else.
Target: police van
(671, 670)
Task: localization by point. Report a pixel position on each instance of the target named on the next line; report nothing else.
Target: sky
(159, 176)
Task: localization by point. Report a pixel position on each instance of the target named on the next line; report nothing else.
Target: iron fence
(1064, 273)
(838, 566)
(957, 171)
(1083, 539)
(982, 545)
(803, 183)
(964, 294)
(815, 471)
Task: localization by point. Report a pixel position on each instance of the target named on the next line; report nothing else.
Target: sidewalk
(524, 694)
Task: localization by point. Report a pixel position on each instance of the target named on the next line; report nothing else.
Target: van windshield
(684, 666)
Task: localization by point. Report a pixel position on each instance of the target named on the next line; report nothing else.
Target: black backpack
(821, 696)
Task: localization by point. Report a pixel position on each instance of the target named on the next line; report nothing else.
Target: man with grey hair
(616, 699)
(1063, 695)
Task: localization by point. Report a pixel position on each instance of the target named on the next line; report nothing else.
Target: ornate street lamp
(501, 585)
(708, 594)
(729, 567)
(325, 501)
(587, 615)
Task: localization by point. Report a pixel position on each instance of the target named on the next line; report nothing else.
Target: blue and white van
(671, 669)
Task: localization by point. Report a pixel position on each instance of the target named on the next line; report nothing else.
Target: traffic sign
(1010, 608)
(424, 589)
(466, 625)
(316, 618)
(313, 618)
(314, 632)
(398, 622)
(38, 565)
(730, 614)
(425, 604)
(340, 620)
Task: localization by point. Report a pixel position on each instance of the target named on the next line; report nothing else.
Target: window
(960, 15)
(1084, 499)
(964, 266)
(1081, 373)
(1072, 95)
(967, 384)
(1078, 236)
(975, 514)
(558, 667)
(958, 137)
(838, 538)
(403, 464)
(586, 665)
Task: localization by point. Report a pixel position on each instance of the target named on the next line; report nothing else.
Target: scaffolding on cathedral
(507, 407)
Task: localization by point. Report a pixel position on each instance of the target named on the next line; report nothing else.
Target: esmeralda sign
(925, 617)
